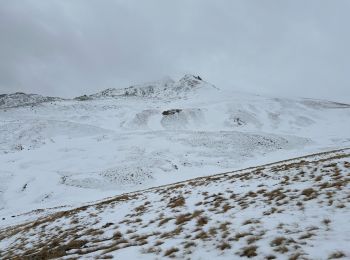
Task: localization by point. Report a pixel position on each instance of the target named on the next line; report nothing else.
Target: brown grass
(181, 219)
(189, 244)
(336, 255)
(249, 251)
(277, 241)
(117, 235)
(171, 251)
(163, 221)
(252, 239)
(224, 246)
(176, 202)
(202, 235)
(202, 221)
(238, 236)
(308, 192)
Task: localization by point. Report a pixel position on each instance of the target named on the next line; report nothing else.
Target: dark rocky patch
(171, 112)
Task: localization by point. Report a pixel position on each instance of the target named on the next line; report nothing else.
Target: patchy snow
(294, 209)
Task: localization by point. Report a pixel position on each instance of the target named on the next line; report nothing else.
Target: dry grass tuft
(181, 219)
(238, 236)
(224, 246)
(336, 255)
(117, 235)
(189, 244)
(252, 239)
(176, 202)
(171, 251)
(308, 192)
(202, 235)
(277, 241)
(163, 221)
(249, 251)
(202, 221)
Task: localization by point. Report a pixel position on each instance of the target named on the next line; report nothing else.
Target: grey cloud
(68, 48)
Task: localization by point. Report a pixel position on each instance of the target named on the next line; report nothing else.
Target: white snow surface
(59, 152)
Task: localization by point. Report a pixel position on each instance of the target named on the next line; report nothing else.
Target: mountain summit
(163, 89)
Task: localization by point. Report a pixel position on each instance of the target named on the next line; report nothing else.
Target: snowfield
(294, 209)
(60, 154)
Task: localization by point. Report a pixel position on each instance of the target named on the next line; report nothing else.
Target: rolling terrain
(293, 209)
(59, 154)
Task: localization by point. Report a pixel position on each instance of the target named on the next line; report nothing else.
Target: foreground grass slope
(295, 209)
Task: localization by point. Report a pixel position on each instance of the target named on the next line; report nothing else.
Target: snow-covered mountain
(23, 99)
(64, 152)
(166, 88)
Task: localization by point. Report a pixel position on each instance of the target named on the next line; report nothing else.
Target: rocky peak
(163, 89)
(22, 99)
(190, 80)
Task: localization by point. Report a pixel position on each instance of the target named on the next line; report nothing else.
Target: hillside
(22, 99)
(166, 88)
(68, 152)
(294, 209)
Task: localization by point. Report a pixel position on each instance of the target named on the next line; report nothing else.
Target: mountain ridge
(162, 89)
(166, 88)
(18, 99)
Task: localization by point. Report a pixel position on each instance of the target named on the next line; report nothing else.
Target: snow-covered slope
(295, 209)
(21, 99)
(166, 88)
(67, 152)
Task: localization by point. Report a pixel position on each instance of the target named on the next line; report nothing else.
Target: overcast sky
(69, 48)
